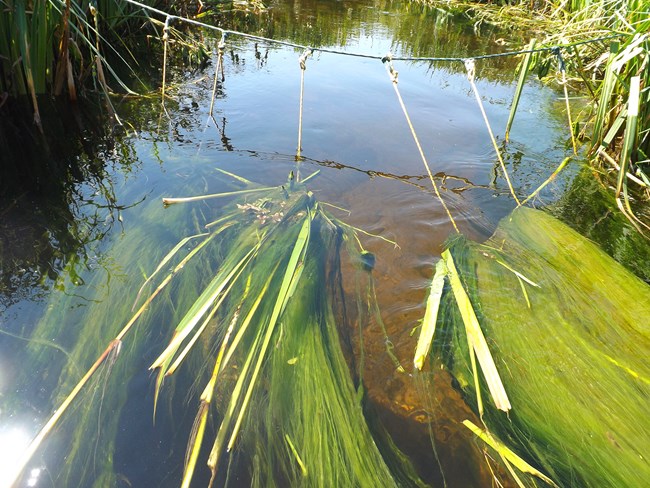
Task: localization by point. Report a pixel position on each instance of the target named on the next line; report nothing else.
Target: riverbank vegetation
(602, 49)
(67, 47)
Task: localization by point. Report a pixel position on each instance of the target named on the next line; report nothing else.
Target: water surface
(61, 254)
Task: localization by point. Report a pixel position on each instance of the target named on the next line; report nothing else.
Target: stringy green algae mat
(569, 331)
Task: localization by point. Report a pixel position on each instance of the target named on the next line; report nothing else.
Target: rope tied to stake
(470, 67)
(165, 38)
(558, 53)
(303, 59)
(222, 42)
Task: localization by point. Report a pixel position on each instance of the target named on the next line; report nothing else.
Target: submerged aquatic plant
(265, 324)
(567, 327)
(292, 403)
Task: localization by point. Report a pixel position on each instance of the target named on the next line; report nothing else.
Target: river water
(61, 257)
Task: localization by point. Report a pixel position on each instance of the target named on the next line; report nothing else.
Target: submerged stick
(171, 201)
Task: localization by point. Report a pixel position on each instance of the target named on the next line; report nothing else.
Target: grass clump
(600, 49)
(567, 327)
(66, 46)
(254, 301)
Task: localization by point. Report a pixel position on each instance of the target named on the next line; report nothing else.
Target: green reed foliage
(287, 396)
(568, 330)
(619, 144)
(251, 298)
(48, 44)
(80, 321)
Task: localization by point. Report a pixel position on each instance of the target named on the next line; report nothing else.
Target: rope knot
(166, 29)
(222, 43)
(558, 53)
(303, 59)
(470, 66)
(388, 61)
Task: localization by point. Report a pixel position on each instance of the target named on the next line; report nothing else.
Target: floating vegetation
(568, 330)
(265, 323)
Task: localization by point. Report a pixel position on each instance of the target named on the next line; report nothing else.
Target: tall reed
(602, 48)
(47, 45)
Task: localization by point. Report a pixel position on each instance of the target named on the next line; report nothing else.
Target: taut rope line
(373, 56)
(165, 38)
(303, 66)
(220, 49)
(562, 68)
(387, 60)
(471, 70)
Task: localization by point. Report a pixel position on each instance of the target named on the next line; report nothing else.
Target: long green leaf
(430, 315)
(200, 307)
(507, 453)
(630, 131)
(292, 273)
(257, 351)
(476, 337)
(606, 90)
(164, 261)
(524, 68)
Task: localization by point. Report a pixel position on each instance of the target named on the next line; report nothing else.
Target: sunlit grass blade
(548, 180)
(629, 137)
(233, 406)
(256, 354)
(241, 179)
(165, 260)
(243, 328)
(206, 320)
(428, 327)
(524, 68)
(606, 90)
(294, 451)
(476, 337)
(507, 453)
(291, 274)
(199, 308)
(198, 431)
